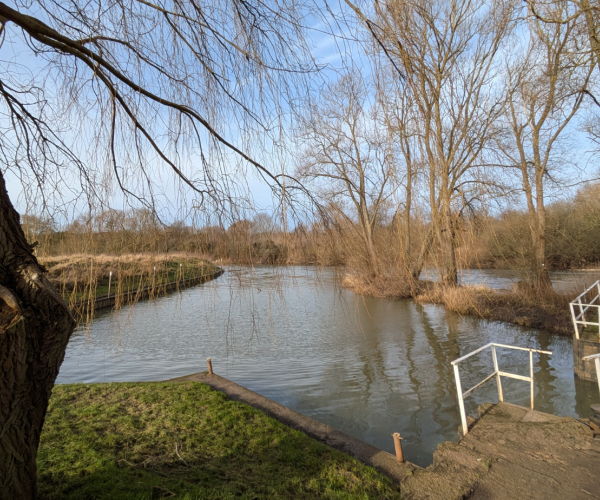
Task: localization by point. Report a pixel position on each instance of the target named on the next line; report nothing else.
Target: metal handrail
(497, 373)
(579, 319)
(596, 358)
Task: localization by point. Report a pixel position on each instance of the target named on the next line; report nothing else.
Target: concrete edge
(383, 461)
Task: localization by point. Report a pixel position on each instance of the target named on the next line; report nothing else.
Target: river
(365, 366)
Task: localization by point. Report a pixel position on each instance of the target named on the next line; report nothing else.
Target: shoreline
(132, 296)
(542, 311)
(117, 441)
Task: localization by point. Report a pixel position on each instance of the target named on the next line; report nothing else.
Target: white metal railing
(596, 358)
(584, 304)
(497, 373)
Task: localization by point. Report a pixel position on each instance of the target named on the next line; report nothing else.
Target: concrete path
(513, 453)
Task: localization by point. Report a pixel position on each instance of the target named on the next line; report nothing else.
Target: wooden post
(398, 446)
(209, 363)
(109, 282)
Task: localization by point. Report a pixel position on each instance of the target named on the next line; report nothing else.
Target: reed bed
(521, 305)
(542, 310)
(85, 277)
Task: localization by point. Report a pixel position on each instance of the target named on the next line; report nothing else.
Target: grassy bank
(84, 276)
(185, 440)
(547, 311)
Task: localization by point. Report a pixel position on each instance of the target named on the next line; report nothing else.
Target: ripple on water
(364, 366)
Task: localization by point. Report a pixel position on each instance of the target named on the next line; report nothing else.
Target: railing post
(597, 363)
(461, 403)
(531, 375)
(498, 378)
(581, 311)
(574, 316)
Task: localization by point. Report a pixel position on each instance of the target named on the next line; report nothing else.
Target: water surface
(365, 366)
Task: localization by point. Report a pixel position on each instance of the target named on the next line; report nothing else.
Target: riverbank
(185, 440)
(543, 311)
(84, 277)
(520, 306)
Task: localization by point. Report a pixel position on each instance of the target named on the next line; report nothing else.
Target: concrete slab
(521, 455)
(538, 416)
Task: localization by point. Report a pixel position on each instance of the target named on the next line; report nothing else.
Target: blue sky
(332, 47)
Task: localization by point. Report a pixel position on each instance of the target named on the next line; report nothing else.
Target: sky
(332, 48)
(65, 198)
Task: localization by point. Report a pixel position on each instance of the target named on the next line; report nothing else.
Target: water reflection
(364, 366)
(568, 282)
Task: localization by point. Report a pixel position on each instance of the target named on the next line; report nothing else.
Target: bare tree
(402, 123)
(544, 90)
(124, 91)
(582, 15)
(445, 54)
(347, 159)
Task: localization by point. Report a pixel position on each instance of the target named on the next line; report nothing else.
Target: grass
(185, 440)
(85, 276)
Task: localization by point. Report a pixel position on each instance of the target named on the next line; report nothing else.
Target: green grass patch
(185, 440)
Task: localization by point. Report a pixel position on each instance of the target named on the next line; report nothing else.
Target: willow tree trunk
(35, 326)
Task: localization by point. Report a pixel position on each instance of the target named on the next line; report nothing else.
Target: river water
(361, 365)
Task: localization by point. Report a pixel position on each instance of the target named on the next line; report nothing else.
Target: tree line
(483, 240)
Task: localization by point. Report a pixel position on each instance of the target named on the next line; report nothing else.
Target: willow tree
(119, 94)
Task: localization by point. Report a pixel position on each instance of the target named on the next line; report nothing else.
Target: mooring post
(398, 446)
(109, 280)
(209, 363)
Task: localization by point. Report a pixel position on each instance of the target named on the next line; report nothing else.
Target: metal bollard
(398, 446)
(209, 363)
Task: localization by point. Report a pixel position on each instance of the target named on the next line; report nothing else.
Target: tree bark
(35, 326)
(592, 31)
(425, 248)
(542, 277)
(449, 275)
